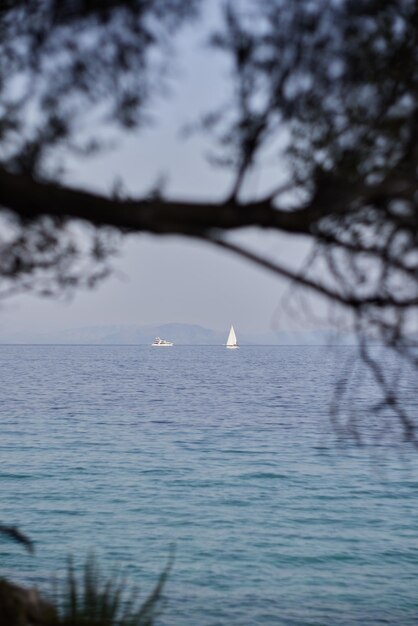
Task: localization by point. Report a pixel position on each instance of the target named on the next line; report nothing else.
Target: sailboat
(231, 342)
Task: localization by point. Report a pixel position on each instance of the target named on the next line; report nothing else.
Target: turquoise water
(228, 455)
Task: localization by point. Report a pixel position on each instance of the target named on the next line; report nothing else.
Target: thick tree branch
(29, 198)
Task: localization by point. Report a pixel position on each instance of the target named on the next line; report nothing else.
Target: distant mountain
(180, 334)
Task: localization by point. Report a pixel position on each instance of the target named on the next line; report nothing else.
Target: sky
(172, 279)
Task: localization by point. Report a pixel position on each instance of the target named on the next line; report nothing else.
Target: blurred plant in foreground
(93, 601)
(87, 600)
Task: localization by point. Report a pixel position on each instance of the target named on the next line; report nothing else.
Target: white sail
(232, 339)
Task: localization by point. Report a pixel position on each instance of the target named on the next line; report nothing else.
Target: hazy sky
(171, 279)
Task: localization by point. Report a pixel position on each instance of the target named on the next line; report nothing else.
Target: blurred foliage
(14, 534)
(92, 601)
(86, 600)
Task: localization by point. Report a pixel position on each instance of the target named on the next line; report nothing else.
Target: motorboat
(161, 343)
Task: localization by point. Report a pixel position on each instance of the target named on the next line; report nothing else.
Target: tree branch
(350, 301)
(30, 198)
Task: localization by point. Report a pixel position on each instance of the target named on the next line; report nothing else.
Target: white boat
(161, 343)
(231, 342)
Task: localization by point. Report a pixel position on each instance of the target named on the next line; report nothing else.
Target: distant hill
(180, 334)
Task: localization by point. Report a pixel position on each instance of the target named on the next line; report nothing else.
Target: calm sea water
(228, 455)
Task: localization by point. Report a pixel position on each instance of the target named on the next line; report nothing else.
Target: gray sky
(172, 279)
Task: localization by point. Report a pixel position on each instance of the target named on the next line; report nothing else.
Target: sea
(272, 479)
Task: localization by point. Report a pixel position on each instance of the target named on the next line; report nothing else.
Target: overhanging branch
(31, 198)
(352, 301)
